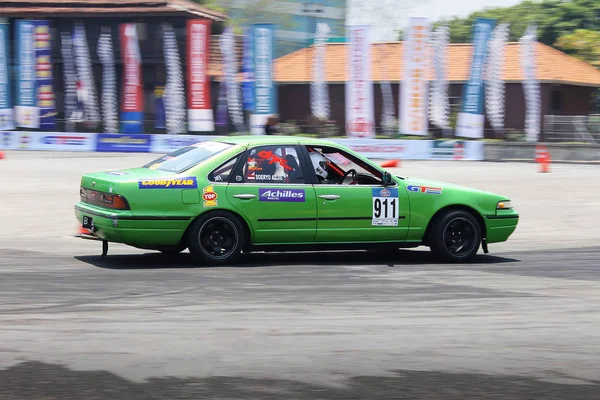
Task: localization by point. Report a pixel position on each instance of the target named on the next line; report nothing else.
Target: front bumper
(499, 227)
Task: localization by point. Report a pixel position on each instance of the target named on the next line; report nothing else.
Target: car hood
(446, 186)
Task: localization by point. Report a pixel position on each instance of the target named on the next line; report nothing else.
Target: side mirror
(387, 179)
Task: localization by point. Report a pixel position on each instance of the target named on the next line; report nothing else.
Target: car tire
(216, 238)
(455, 236)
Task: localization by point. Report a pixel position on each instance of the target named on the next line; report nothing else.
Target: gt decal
(424, 189)
(182, 183)
(386, 207)
(209, 196)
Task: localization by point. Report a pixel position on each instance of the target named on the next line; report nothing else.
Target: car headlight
(504, 205)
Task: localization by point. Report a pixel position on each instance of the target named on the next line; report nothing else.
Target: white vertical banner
(234, 95)
(174, 95)
(494, 93)
(413, 100)
(360, 118)
(86, 92)
(439, 104)
(319, 95)
(531, 86)
(109, 81)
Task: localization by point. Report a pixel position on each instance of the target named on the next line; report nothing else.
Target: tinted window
(187, 157)
(270, 164)
(222, 173)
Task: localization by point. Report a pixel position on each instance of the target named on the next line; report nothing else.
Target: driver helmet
(319, 163)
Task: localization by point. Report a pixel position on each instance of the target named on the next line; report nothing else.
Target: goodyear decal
(180, 183)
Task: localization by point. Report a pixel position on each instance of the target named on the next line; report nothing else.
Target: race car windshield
(187, 157)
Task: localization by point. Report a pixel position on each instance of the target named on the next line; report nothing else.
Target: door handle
(244, 196)
(329, 196)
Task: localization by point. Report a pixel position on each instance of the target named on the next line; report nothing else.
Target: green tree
(583, 44)
(554, 18)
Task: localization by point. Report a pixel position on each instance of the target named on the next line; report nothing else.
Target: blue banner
(265, 95)
(6, 111)
(248, 71)
(471, 117)
(137, 143)
(43, 67)
(159, 108)
(265, 101)
(27, 112)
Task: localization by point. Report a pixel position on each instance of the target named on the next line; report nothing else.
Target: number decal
(386, 207)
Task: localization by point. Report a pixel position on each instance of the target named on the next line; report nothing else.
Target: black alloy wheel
(456, 236)
(216, 238)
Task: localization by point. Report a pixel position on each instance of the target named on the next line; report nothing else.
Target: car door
(366, 211)
(269, 189)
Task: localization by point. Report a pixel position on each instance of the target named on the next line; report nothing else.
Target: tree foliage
(569, 25)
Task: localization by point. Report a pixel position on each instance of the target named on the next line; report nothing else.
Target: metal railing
(572, 128)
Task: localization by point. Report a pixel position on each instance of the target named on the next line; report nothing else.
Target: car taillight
(101, 199)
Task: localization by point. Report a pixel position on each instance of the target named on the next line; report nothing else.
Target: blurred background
(534, 72)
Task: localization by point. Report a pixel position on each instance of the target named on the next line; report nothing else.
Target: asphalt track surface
(520, 323)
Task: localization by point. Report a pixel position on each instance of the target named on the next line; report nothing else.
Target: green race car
(221, 197)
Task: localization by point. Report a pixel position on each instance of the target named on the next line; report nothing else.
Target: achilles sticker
(386, 207)
(210, 196)
(181, 183)
(282, 195)
(424, 189)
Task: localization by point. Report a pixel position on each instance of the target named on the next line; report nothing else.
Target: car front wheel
(216, 238)
(455, 236)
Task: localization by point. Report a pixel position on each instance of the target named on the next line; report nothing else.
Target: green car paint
(154, 207)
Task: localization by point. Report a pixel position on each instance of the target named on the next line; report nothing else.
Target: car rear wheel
(216, 238)
(455, 236)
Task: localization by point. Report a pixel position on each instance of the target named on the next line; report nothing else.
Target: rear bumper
(500, 227)
(124, 227)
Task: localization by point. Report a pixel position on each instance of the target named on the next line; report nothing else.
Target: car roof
(248, 140)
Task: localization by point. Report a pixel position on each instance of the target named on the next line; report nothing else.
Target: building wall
(295, 19)
(294, 104)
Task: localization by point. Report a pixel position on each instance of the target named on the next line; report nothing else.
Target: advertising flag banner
(234, 102)
(26, 110)
(174, 95)
(44, 75)
(132, 104)
(319, 95)
(109, 81)
(200, 113)
(248, 71)
(471, 117)
(160, 121)
(439, 104)
(360, 116)
(70, 79)
(87, 99)
(6, 111)
(494, 90)
(531, 85)
(265, 96)
(413, 102)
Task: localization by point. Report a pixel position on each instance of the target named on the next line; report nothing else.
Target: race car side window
(222, 172)
(270, 164)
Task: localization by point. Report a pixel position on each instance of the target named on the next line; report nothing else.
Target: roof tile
(553, 65)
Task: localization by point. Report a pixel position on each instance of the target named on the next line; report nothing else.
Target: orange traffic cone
(545, 162)
(390, 164)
